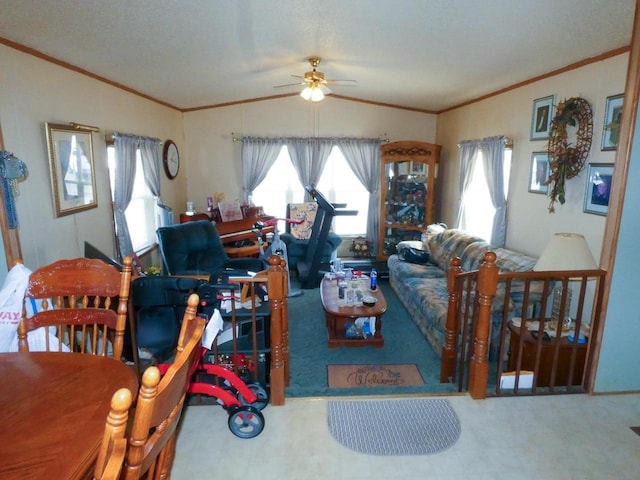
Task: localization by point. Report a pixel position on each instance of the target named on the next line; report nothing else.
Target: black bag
(413, 252)
(415, 255)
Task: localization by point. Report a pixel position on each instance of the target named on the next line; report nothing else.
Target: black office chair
(195, 248)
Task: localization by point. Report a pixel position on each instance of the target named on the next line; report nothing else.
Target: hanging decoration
(11, 169)
(566, 158)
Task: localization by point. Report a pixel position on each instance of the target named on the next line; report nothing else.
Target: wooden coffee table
(338, 313)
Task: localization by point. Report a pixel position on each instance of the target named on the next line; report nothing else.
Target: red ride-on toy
(242, 401)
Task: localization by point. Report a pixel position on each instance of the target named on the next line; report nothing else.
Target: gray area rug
(394, 427)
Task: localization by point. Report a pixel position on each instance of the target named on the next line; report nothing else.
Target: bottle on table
(373, 279)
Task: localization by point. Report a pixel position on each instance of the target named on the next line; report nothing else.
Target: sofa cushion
(402, 269)
(426, 300)
(473, 255)
(511, 261)
(449, 244)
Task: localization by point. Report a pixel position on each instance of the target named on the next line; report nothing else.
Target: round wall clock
(171, 159)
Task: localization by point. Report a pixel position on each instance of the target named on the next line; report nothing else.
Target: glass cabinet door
(404, 208)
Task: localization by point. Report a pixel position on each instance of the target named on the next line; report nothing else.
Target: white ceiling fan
(315, 84)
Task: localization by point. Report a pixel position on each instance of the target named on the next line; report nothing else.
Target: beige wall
(34, 92)
(529, 223)
(214, 159)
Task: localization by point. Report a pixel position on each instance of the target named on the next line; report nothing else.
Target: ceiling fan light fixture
(312, 93)
(306, 93)
(316, 94)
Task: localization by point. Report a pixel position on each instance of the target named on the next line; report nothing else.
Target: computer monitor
(91, 251)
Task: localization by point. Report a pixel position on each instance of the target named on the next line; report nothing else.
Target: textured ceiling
(423, 54)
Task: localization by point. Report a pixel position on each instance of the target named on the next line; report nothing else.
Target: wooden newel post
(486, 290)
(277, 300)
(285, 319)
(450, 347)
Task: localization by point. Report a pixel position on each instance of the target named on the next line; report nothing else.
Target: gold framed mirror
(73, 179)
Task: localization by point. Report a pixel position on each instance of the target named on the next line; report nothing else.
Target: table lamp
(565, 251)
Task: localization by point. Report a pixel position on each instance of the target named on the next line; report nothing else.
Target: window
(280, 187)
(338, 184)
(478, 207)
(141, 213)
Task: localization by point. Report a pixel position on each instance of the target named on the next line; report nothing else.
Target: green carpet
(310, 355)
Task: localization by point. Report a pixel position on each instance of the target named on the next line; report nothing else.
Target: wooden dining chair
(84, 300)
(114, 441)
(160, 402)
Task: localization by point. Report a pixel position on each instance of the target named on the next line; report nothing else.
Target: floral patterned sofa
(422, 288)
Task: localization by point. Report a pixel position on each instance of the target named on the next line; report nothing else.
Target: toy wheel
(246, 421)
(259, 391)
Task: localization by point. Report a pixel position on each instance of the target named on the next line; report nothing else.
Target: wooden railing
(519, 351)
(277, 283)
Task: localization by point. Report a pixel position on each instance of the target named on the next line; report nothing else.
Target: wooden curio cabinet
(408, 191)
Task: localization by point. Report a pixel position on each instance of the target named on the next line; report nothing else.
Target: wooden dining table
(53, 408)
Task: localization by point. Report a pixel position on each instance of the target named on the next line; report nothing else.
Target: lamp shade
(566, 251)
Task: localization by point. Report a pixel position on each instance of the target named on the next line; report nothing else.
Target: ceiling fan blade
(326, 90)
(343, 83)
(290, 85)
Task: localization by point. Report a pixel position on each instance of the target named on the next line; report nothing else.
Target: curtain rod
(508, 142)
(383, 138)
(137, 137)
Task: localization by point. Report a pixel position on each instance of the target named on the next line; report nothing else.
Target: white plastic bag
(11, 301)
(11, 298)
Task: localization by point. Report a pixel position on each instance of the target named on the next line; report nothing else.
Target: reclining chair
(195, 249)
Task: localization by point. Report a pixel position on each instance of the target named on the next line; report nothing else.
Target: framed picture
(541, 118)
(417, 168)
(539, 173)
(73, 179)
(597, 193)
(611, 126)
(230, 211)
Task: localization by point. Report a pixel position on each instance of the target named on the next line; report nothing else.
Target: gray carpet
(310, 355)
(418, 426)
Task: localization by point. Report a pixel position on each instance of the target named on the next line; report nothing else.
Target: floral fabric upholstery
(305, 212)
(422, 289)
(449, 244)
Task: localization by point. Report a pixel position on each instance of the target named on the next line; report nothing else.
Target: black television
(91, 251)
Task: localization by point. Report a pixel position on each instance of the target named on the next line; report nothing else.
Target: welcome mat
(394, 427)
(348, 376)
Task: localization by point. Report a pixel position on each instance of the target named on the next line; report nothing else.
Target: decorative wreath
(565, 159)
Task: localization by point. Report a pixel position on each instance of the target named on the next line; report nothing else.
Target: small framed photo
(598, 190)
(542, 116)
(611, 126)
(417, 168)
(539, 173)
